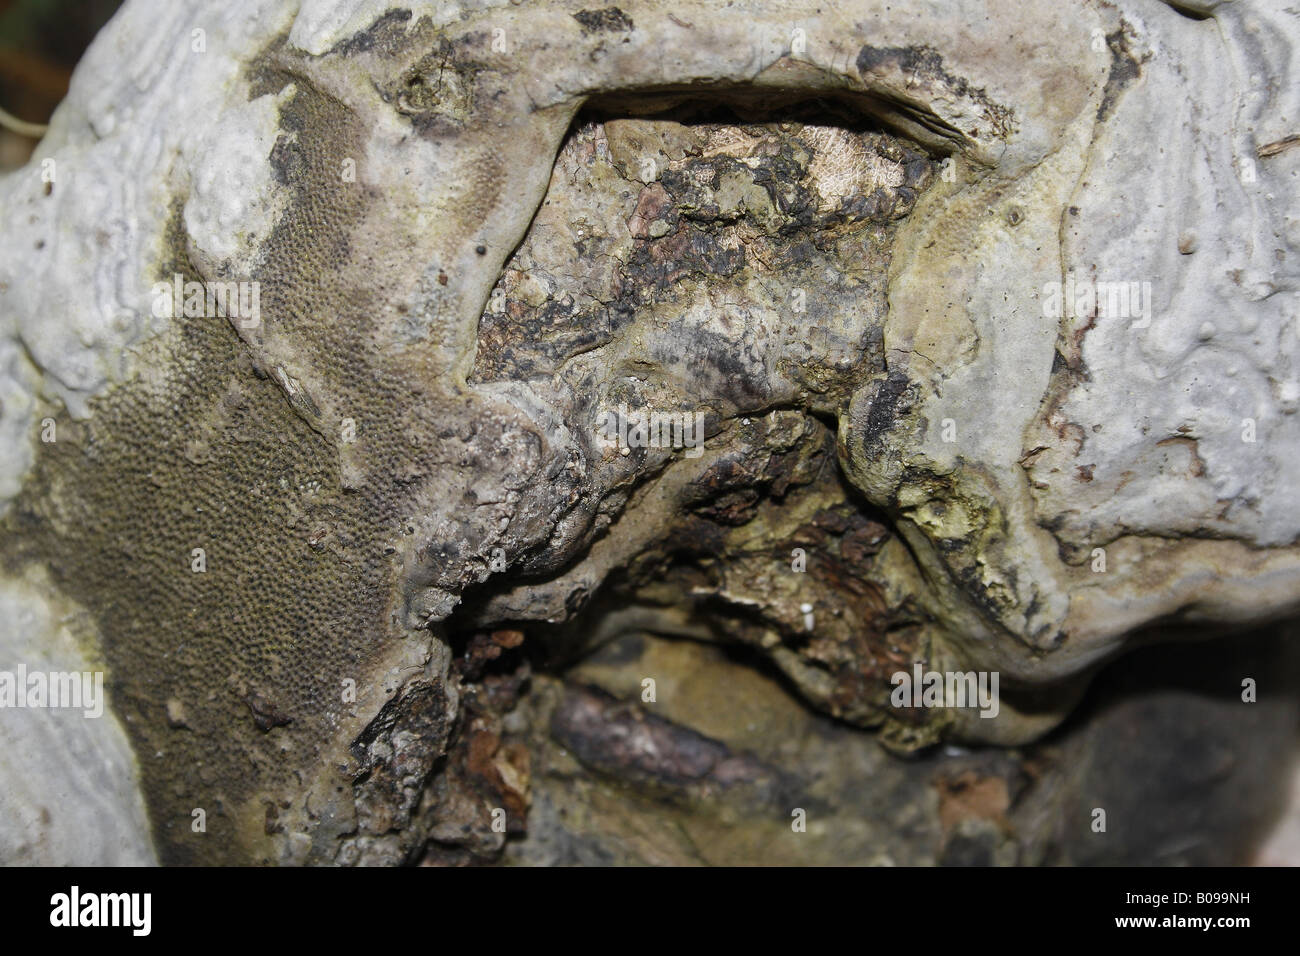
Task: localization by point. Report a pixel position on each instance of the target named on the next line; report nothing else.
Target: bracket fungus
(590, 412)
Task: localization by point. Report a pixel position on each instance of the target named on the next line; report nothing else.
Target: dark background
(40, 44)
